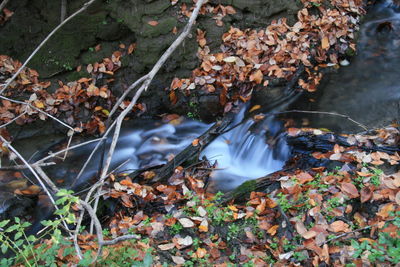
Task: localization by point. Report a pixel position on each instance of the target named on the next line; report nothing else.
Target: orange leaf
(273, 229)
(325, 43)
(339, 226)
(153, 23)
(201, 252)
(195, 142)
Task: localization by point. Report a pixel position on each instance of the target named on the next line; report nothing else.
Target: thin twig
(3, 4)
(324, 113)
(83, 8)
(38, 110)
(23, 167)
(52, 155)
(11, 121)
(352, 232)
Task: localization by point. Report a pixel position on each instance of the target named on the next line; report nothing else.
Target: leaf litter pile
(318, 215)
(321, 37)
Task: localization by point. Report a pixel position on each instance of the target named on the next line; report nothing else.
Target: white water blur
(243, 154)
(240, 154)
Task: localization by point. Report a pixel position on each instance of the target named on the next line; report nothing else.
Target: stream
(367, 90)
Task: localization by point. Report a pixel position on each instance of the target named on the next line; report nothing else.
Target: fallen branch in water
(83, 8)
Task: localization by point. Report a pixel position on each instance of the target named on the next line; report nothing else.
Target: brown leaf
(304, 177)
(339, 226)
(350, 190)
(366, 194)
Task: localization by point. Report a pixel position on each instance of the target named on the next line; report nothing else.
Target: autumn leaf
(339, 226)
(166, 246)
(187, 223)
(273, 229)
(349, 189)
(153, 23)
(257, 77)
(325, 43)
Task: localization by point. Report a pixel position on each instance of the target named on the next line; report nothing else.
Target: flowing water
(239, 154)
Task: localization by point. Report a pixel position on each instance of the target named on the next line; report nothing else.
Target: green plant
(176, 228)
(386, 248)
(287, 245)
(299, 256)
(283, 202)
(333, 203)
(23, 247)
(233, 231)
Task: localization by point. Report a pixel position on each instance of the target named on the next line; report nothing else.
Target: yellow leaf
(255, 107)
(325, 43)
(39, 104)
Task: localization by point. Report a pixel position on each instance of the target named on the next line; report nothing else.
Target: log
(190, 151)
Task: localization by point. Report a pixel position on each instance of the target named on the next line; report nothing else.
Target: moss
(156, 7)
(245, 188)
(164, 26)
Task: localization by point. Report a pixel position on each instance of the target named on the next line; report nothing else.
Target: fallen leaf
(187, 223)
(178, 260)
(325, 43)
(273, 229)
(153, 23)
(339, 226)
(350, 190)
(201, 252)
(166, 246)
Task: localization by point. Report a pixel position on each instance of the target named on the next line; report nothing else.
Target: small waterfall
(244, 154)
(248, 151)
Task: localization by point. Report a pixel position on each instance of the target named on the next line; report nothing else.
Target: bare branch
(83, 8)
(23, 167)
(11, 121)
(127, 91)
(325, 113)
(55, 154)
(144, 87)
